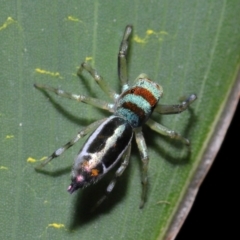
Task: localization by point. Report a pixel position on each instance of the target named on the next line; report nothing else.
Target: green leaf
(186, 46)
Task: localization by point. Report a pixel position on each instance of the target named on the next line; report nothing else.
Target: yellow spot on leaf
(8, 22)
(56, 225)
(3, 168)
(9, 136)
(53, 74)
(149, 33)
(71, 18)
(43, 158)
(137, 39)
(31, 160)
(88, 59)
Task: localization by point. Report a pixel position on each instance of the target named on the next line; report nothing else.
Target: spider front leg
(118, 173)
(99, 80)
(69, 144)
(142, 147)
(178, 108)
(122, 58)
(79, 98)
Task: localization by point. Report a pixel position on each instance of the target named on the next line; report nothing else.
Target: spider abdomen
(104, 147)
(137, 103)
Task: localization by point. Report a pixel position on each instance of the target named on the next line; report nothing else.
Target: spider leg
(99, 80)
(145, 160)
(122, 58)
(69, 144)
(166, 131)
(178, 108)
(118, 173)
(80, 98)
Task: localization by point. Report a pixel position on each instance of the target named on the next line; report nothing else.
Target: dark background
(215, 212)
